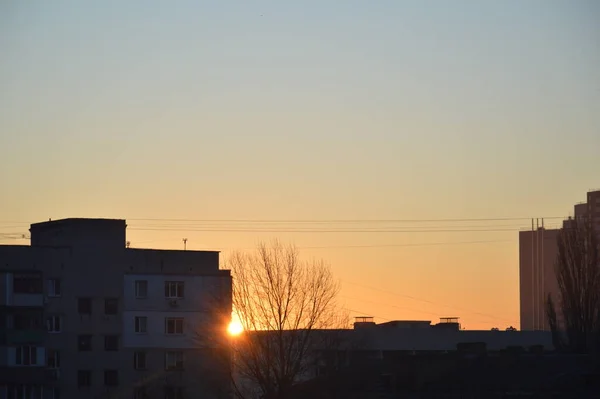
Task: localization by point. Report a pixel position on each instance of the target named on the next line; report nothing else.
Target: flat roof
(68, 221)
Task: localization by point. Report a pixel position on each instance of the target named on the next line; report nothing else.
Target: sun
(235, 328)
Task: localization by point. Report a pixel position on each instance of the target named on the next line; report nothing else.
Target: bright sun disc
(235, 328)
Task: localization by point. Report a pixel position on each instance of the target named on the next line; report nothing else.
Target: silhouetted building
(83, 316)
(399, 356)
(404, 357)
(538, 250)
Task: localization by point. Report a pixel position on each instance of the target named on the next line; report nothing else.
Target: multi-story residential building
(537, 254)
(538, 250)
(83, 316)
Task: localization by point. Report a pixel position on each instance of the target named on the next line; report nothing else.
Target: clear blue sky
(312, 109)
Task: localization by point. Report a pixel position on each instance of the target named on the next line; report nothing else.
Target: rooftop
(78, 221)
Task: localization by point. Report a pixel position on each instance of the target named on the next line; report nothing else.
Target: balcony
(17, 337)
(24, 375)
(26, 300)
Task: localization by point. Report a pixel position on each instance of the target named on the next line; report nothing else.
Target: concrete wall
(202, 297)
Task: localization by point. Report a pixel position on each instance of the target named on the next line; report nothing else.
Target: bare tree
(575, 320)
(280, 301)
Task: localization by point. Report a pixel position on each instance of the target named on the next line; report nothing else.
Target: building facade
(537, 255)
(538, 250)
(83, 316)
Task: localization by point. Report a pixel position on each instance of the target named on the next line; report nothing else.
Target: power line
(256, 230)
(347, 220)
(367, 314)
(426, 244)
(321, 227)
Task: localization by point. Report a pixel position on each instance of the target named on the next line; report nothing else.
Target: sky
(313, 110)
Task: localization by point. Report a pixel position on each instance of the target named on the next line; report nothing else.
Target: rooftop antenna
(184, 244)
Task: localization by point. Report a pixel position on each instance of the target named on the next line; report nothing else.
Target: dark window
(26, 356)
(173, 289)
(111, 378)
(174, 325)
(22, 391)
(139, 360)
(54, 288)
(111, 342)
(111, 306)
(140, 393)
(53, 324)
(141, 324)
(174, 360)
(141, 288)
(53, 359)
(25, 321)
(84, 378)
(172, 392)
(25, 283)
(84, 305)
(84, 343)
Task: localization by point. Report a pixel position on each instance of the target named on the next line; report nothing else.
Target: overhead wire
(348, 220)
(256, 230)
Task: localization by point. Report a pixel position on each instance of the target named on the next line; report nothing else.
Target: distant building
(423, 336)
(401, 357)
(537, 255)
(367, 346)
(83, 316)
(538, 250)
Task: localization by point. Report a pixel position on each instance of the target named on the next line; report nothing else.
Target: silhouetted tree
(575, 318)
(280, 301)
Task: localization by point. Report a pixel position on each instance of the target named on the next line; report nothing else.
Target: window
(26, 356)
(24, 320)
(140, 393)
(84, 378)
(27, 283)
(53, 359)
(111, 306)
(141, 324)
(173, 289)
(173, 325)
(174, 360)
(22, 391)
(54, 393)
(111, 343)
(53, 324)
(111, 378)
(84, 305)
(84, 343)
(54, 289)
(141, 288)
(172, 392)
(139, 360)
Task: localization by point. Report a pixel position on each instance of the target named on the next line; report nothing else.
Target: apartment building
(83, 316)
(538, 250)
